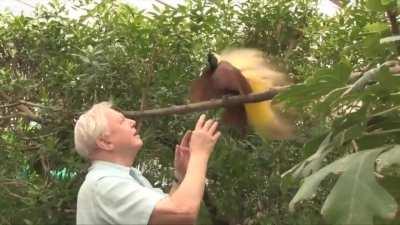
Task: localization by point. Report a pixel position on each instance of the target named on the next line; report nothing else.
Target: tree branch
(371, 75)
(212, 104)
(365, 77)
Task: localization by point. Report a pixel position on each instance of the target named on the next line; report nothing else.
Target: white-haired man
(115, 193)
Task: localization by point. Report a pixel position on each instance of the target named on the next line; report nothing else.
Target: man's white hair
(89, 127)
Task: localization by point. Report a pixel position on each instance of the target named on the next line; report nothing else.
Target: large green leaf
(356, 197)
(371, 45)
(310, 185)
(320, 84)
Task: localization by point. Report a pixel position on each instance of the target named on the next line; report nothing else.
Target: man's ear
(103, 143)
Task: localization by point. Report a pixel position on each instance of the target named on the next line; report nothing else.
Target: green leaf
(371, 45)
(342, 72)
(388, 80)
(353, 132)
(376, 27)
(310, 146)
(311, 183)
(351, 119)
(357, 197)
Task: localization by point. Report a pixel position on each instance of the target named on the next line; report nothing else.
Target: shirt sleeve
(123, 201)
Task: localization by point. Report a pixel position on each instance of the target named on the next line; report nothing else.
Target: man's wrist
(200, 155)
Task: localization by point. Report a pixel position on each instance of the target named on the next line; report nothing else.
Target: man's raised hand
(204, 136)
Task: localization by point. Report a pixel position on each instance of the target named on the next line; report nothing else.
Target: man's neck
(121, 160)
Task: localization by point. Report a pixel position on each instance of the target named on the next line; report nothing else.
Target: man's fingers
(200, 121)
(184, 148)
(213, 127)
(216, 135)
(208, 124)
(186, 138)
(185, 151)
(181, 149)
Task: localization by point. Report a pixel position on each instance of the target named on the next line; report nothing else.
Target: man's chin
(137, 146)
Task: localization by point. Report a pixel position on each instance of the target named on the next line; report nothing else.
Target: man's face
(122, 133)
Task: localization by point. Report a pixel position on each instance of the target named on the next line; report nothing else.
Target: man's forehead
(115, 113)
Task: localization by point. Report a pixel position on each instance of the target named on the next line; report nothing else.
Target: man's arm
(183, 205)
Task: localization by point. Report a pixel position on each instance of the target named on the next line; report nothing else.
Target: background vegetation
(340, 169)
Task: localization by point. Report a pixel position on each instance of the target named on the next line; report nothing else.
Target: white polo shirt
(116, 194)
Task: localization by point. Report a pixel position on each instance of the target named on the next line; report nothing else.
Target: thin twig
(10, 105)
(382, 132)
(385, 111)
(165, 4)
(39, 105)
(39, 136)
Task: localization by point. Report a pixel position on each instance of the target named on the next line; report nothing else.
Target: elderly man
(115, 193)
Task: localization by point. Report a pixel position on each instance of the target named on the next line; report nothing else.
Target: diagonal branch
(212, 104)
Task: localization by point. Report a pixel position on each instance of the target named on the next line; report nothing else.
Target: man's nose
(133, 123)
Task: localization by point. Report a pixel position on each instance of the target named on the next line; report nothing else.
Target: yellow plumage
(263, 116)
